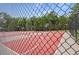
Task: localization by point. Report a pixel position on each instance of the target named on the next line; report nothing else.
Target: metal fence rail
(39, 28)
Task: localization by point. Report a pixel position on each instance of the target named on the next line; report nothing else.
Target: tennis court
(39, 29)
(34, 42)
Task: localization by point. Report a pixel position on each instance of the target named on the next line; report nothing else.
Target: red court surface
(35, 43)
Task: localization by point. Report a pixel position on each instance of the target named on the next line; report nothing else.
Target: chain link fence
(39, 28)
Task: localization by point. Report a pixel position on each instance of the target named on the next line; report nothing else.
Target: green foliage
(50, 21)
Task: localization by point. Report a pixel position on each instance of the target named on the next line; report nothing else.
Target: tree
(75, 9)
(52, 20)
(8, 20)
(64, 21)
(21, 23)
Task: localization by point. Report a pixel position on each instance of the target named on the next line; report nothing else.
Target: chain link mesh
(40, 28)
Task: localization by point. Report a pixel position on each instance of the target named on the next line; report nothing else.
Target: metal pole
(76, 24)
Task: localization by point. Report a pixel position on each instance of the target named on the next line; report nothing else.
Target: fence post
(77, 26)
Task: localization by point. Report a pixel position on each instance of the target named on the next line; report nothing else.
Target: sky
(34, 9)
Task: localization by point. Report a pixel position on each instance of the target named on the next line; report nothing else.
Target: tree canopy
(50, 21)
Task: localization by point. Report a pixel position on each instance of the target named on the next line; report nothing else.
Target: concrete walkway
(67, 45)
(6, 51)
